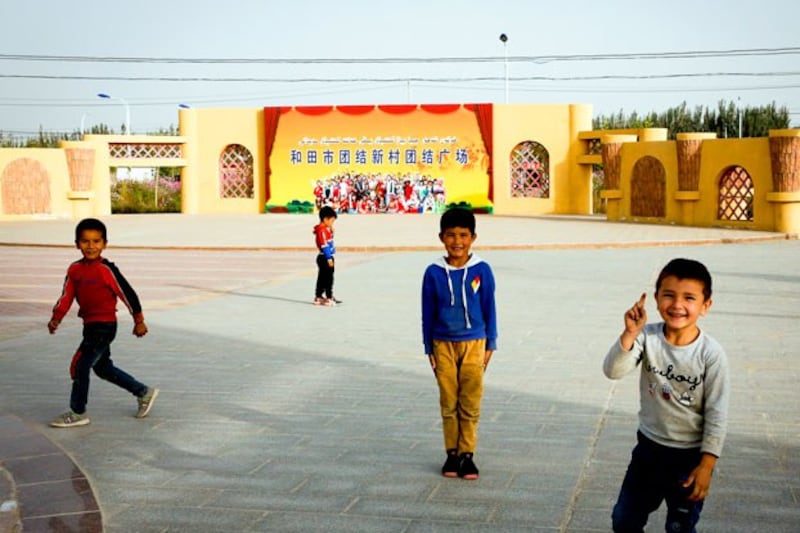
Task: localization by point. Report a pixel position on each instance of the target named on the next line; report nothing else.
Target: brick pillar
(80, 165)
(80, 162)
(612, 158)
(784, 154)
(689, 158)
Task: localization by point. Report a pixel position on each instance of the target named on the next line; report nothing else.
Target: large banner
(375, 159)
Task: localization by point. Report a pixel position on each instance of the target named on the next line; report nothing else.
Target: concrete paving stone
(445, 510)
(542, 514)
(276, 502)
(544, 495)
(254, 482)
(292, 522)
(418, 526)
(391, 485)
(89, 521)
(124, 497)
(57, 497)
(190, 518)
(252, 374)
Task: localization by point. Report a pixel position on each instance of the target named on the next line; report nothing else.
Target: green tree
(723, 120)
(45, 139)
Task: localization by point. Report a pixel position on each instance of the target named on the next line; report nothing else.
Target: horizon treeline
(723, 120)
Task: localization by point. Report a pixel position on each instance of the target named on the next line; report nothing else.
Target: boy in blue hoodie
(459, 331)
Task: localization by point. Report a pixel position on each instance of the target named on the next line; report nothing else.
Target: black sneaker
(467, 470)
(335, 300)
(451, 466)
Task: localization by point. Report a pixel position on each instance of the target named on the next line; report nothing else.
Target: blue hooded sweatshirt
(458, 303)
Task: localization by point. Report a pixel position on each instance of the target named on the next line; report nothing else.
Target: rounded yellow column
(653, 134)
(580, 176)
(190, 178)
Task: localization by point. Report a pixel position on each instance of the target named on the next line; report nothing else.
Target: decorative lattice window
(648, 188)
(236, 172)
(594, 147)
(735, 195)
(144, 150)
(530, 171)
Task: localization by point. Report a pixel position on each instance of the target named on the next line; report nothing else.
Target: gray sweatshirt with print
(683, 389)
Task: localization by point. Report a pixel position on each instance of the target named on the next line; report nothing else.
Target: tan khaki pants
(459, 373)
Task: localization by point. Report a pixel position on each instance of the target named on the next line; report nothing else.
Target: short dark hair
(327, 212)
(457, 217)
(90, 224)
(687, 269)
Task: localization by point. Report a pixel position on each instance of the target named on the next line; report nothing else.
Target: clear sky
(57, 94)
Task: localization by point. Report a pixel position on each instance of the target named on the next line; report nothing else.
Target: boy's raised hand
(635, 320)
(636, 317)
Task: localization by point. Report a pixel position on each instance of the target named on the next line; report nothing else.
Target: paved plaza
(276, 415)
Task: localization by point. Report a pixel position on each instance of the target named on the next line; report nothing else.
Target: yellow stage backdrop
(405, 141)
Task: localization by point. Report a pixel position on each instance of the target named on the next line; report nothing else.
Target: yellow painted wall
(700, 208)
(556, 128)
(208, 132)
(564, 130)
(717, 156)
(55, 164)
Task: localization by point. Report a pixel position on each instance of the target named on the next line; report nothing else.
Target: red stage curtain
(314, 109)
(484, 114)
(398, 109)
(271, 115)
(355, 109)
(441, 109)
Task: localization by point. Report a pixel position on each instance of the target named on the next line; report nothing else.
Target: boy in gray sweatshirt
(684, 388)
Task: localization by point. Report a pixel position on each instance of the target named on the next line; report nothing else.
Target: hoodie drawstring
(447, 271)
(464, 296)
(450, 285)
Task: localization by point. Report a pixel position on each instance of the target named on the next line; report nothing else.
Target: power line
(402, 79)
(691, 54)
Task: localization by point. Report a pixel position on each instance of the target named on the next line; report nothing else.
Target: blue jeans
(655, 474)
(94, 353)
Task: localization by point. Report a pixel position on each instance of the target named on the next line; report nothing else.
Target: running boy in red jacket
(97, 283)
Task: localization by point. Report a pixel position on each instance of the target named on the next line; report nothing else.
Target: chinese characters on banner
(372, 161)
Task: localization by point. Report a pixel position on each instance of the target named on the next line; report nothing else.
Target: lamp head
(103, 95)
(503, 37)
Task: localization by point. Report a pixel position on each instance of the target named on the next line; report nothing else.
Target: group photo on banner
(378, 159)
(358, 193)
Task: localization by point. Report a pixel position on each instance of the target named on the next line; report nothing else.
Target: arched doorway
(648, 188)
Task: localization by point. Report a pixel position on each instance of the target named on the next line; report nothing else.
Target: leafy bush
(135, 196)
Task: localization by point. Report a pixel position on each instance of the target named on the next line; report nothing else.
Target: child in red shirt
(323, 234)
(97, 284)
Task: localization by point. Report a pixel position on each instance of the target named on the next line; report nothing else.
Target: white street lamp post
(127, 110)
(739, 105)
(83, 121)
